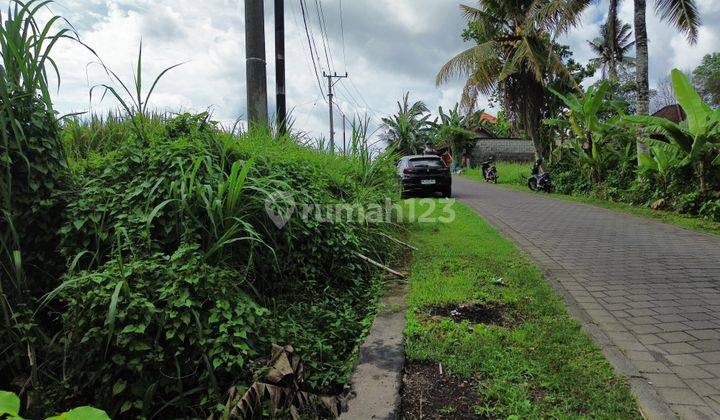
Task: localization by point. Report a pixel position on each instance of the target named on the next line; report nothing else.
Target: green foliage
(599, 143)
(82, 413)
(679, 173)
(179, 282)
(612, 50)
(146, 277)
(453, 131)
(711, 210)
(406, 131)
(157, 327)
(131, 98)
(10, 406)
(698, 138)
(514, 54)
(33, 168)
(706, 78)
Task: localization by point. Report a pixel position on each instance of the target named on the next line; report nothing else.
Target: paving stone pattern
(646, 291)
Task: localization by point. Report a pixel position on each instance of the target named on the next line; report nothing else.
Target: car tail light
(408, 171)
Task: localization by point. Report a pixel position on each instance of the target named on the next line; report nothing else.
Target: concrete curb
(377, 379)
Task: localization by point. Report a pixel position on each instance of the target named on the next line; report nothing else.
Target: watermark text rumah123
(281, 207)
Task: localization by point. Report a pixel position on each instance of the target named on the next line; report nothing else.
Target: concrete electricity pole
(281, 110)
(330, 78)
(256, 76)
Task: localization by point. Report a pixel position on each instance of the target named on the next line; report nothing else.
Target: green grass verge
(543, 366)
(514, 175)
(509, 173)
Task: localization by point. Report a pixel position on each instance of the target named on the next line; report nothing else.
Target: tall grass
(33, 164)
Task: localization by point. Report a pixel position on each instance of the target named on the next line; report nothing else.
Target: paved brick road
(648, 292)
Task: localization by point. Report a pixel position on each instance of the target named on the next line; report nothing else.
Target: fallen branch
(380, 265)
(398, 241)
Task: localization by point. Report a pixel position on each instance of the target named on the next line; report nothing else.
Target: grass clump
(542, 365)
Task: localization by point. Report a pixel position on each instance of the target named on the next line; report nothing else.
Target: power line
(342, 35)
(323, 34)
(310, 44)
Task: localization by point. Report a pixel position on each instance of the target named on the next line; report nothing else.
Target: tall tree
(612, 34)
(686, 18)
(407, 130)
(706, 78)
(513, 54)
(613, 52)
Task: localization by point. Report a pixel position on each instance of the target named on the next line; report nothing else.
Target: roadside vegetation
(488, 337)
(141, 271)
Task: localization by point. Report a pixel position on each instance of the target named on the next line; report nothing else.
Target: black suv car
(424, 174)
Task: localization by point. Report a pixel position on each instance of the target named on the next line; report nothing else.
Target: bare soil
(429, 394)
(475, 313)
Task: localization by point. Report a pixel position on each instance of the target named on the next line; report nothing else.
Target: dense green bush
(33, 178)
(680, 173)
(145, 275)
(159, 327)
(169, 234)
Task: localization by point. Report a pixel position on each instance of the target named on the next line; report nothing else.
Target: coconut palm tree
(683, 14)
(613, 53)
(513, 55)
(407, 130)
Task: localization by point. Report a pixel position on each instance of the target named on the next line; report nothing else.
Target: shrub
(687, 203)
(158, 328)
(711, 210)
(187, 204)
(32, 181)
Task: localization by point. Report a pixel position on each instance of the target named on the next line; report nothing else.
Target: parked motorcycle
(539, 180)
(489, 170)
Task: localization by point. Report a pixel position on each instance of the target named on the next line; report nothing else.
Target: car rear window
(427, 162)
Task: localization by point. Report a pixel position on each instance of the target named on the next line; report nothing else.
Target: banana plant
(697, 138)
(584, 122)
(453, 130)
(663, 159)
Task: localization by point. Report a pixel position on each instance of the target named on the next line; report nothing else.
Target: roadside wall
(512, 150)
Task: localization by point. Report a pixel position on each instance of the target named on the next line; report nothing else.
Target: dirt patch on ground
(429, 394)
(475, 313)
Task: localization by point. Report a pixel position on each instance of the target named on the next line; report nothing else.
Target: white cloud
(391, 46)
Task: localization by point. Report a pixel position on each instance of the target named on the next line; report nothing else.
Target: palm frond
(483, 57)
(684, 14)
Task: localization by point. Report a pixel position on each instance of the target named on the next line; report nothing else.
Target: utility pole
(281, 110)
(256, 76)
(344, 144)
(330, 78)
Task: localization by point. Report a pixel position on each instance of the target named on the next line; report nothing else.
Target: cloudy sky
(388, 47)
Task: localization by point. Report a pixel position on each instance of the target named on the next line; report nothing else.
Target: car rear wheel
(447, 192)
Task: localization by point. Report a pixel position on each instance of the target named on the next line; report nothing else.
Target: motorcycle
(539, 181)
(489, 171)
